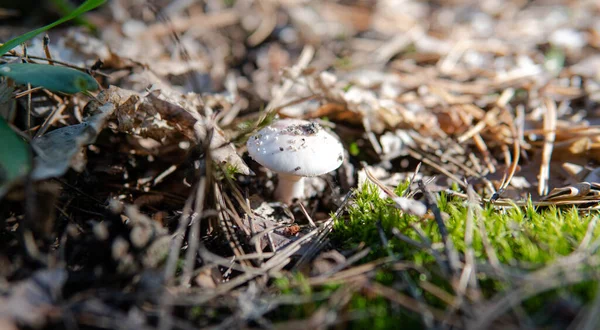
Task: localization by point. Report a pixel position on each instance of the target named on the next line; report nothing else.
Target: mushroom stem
(289, 187)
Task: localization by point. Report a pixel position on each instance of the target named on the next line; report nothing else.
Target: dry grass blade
(323, 230)
(409, 206)
(587, 238)
(351, 260)
(549, 137)
(475, 130)
(440, 168)
(228, 220)
(271, 267)
(357, 271)
(171, 265)
(568, 275)
(512, 169)
(194, 235)
(581, 265)
(410, 303)
(329, 314)
(468, 277)
(450, 251)
(588, 318)
(471, 104)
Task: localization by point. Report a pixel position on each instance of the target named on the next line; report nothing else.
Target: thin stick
(194, 235)
(549, 137)
(451, 253)
(50, 120)
(46, 46)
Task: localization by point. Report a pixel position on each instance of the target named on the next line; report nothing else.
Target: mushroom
(295, 148)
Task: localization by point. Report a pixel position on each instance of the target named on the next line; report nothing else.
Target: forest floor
(467, 198)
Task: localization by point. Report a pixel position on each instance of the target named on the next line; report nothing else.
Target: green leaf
(65, 7)
(85, 7)
(54, 78)
(15, 160)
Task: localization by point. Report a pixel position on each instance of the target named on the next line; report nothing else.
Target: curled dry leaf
(137, 115)
(61, 149)
(221, 151)
(181, 119)
(161, 117)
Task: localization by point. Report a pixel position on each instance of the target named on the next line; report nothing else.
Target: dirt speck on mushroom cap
(296, 147)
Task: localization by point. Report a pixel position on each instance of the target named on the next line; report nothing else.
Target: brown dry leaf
(179, 118)
(160, 117)
(141, 116)
(61, 149)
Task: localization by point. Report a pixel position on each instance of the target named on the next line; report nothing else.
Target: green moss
(525, 238)
(354, 150)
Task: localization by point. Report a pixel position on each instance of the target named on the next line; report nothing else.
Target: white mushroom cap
(296, 147)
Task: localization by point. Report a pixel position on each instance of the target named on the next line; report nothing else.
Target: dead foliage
(144, 211)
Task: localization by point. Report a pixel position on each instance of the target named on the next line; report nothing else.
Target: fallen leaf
(157, 118)
(221, 150)
(61, 149)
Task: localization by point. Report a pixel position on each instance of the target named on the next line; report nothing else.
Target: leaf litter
(494, 103)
